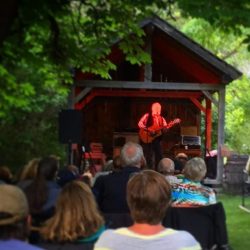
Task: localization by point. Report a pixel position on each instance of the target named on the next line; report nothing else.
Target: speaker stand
(70, 155)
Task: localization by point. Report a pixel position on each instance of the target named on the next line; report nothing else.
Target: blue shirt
(16, 244)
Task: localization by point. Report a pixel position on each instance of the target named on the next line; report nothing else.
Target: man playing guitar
(152, 125)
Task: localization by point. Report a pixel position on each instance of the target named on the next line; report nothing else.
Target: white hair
(195, 169)
(132, 154)
(166, 166)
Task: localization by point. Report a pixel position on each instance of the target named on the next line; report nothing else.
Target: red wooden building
(182, 76)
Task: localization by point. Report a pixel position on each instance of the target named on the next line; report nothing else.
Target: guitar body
(149, 134)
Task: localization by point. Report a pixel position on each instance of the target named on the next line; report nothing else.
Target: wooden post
(148, 67)
(208, 122)
(71, 97)
(221, 136)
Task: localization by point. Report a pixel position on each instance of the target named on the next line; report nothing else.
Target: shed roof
(183, 63)
(228, 73)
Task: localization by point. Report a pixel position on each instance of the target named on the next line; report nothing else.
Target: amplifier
(190, 140)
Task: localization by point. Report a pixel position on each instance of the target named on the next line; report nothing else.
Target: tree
(42, 41)
(40, 45)
(238, 113)
(229, 15)
(228, 39)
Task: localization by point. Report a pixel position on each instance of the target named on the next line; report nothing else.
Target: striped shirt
(168, 239)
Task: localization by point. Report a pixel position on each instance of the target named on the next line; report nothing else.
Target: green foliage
(223, 13)
(135, 54)
(229, 15)
(14, 96)
(33, 90)
(238, 113)
(29, 113)
(221, 42)
(47, 41)
(229, 46)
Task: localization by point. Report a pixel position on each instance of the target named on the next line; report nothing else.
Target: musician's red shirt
(158, 121)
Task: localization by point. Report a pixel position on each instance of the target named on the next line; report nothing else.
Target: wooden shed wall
(106, 115)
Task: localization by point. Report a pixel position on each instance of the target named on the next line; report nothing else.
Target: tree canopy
(228, 26)
(229, 15)
(43, 41)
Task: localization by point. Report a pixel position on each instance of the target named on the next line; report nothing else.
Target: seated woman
(191, 193)
(28, 173)
(43, 191)
(76, 219)
(6, 175)
(148, 196)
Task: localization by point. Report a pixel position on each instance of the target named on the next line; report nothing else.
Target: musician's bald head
(156, 108)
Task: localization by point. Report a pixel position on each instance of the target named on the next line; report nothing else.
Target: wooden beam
(142, 93)
(82, 94)
(210, 97)
(85, 101)
(130, 93)
(148, 85)
(198, 104)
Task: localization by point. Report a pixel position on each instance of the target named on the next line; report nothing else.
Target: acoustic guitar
(147, 135)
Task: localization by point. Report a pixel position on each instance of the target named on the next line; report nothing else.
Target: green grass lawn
(238, 221)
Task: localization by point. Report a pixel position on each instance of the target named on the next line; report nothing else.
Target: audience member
(191, 193)
(87, 178)
(28, 173)
(110, 190)
(14, 219)
(148, 196)
(67, 174)
(76, 219)
(117, 163)
(180, 161)
(108, 166)
(112, 166)
(43, 191)
(5, 175)
(167, 168)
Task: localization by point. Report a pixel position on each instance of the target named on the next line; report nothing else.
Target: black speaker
(70, 126)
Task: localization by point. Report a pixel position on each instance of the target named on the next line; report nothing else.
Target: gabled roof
(229, 72)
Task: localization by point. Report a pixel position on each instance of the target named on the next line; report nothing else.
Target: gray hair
(132, 154)
(195, 169)
(166, 166)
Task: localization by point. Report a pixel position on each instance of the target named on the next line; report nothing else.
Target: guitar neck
(169, 125)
